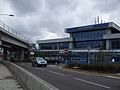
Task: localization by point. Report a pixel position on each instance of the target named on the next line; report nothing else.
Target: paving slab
(7, 80)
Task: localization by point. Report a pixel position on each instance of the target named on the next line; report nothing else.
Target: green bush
(101, 67)
(71, 64)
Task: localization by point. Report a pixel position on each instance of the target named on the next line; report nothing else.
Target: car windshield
(39, 58)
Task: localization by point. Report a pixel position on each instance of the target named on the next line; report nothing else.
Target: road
(69, 80)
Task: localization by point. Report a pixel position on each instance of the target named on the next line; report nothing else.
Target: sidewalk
(7, 81)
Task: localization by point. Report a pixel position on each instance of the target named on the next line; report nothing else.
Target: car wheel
(33, 65)
(37, 65)
(45, 65)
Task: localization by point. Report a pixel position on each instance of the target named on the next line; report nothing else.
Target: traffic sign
(32, 53)
(66, 51)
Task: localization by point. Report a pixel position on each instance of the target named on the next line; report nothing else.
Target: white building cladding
(86, 42)
(53, 44)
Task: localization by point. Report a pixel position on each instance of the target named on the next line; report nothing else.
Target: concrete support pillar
(107, 44)
(70, 45)
(71, 35)
(22, 55)
(108, 32)
(4, 54)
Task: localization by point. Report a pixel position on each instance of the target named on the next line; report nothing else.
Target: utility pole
(88, 54)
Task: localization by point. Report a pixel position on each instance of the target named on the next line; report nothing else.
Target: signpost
(0, 43)
(31, 53)
(66, 56)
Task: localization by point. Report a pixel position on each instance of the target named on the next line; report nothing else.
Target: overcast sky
(46, 19)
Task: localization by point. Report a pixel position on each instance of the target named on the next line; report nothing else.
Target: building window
(52, 46)
(90, 44)
(115, 44)
(89, 35)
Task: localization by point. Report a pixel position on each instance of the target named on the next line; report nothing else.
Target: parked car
(39, 61)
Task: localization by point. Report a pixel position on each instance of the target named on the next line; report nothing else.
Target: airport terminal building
(98, 43)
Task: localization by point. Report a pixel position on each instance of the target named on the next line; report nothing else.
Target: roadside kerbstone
(7, 80)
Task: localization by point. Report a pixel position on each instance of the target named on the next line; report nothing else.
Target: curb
(28, 80)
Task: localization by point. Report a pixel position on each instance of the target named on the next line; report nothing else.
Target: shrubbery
(114, 68)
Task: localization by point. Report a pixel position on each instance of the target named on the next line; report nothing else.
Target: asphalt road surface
(69, 80)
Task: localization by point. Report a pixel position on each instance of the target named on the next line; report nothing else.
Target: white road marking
(87, 73)
(92, 83)
(40, 68)
(60, 67)
(56, 73)
(53, 66)
(80, 72)
(113, 77)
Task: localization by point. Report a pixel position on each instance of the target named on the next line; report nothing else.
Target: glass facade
(46, 46)
(89, 39)
(84, 38)
(62, 45)
(115, 44)
(89, 35)
(90, 44)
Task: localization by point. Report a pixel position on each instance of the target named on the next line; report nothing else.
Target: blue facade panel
(87, 28)
(89, 35)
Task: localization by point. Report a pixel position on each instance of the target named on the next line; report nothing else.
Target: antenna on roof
(95, 21)
(101, 20)
(104, 22)
(98, 19)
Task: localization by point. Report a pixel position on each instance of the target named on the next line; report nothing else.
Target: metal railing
(12, 32)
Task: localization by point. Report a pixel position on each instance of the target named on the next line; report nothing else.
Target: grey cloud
(41, 19)
(52, 4)
(55, 20)
(107, 6)
(25, 6)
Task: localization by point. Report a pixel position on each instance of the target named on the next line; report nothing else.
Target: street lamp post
(88, 54)
(8, 15)
(66, 57)
(58, 47)
(3, 25)
(11, 15)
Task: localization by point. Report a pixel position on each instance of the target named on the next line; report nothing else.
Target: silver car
(39, 61)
